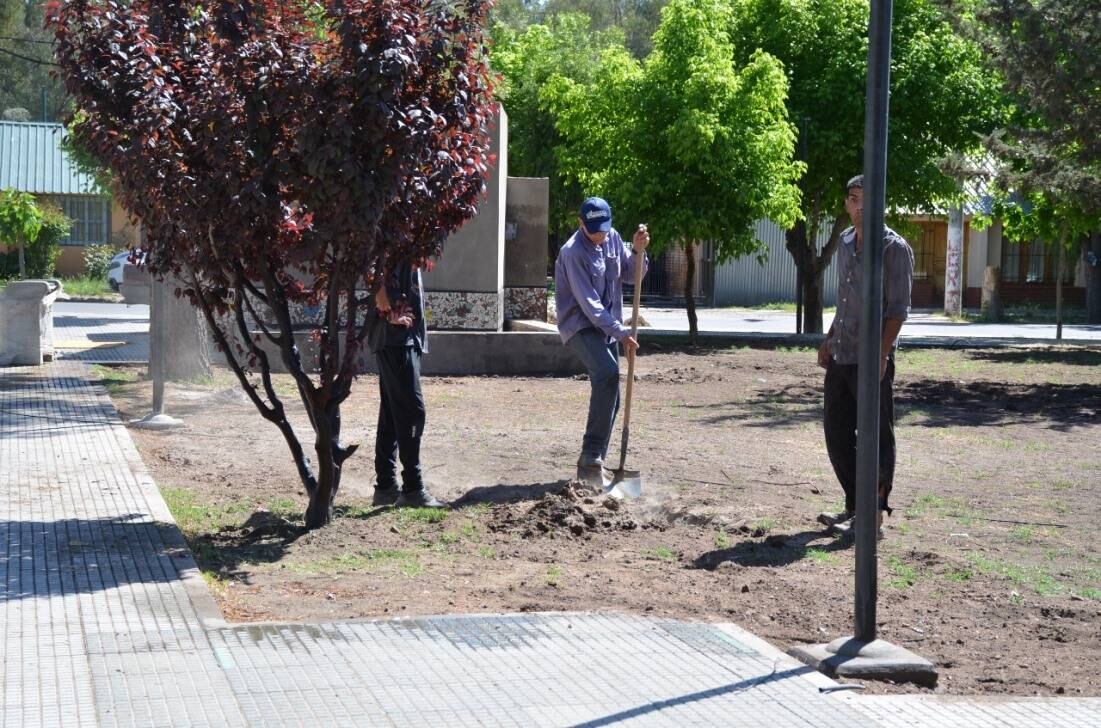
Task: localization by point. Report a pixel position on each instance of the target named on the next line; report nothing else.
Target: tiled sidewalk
(105, 622)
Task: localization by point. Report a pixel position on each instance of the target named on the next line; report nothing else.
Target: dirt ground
(990, 566)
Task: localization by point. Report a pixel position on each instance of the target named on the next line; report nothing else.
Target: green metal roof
(31, 160)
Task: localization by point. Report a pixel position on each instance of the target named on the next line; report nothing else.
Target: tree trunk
(813, 285)
(689, 285)
(812, 268)
(319, 512)
(1093, 278)
(1059, 285)
(22, 260)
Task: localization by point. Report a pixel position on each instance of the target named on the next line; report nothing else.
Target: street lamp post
(863, 655)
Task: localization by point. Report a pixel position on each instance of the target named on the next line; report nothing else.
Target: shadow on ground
(1080, 357)
(949, 403)
(775, 550)
(508, 493)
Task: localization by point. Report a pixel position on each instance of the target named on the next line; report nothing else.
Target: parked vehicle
(118, 265)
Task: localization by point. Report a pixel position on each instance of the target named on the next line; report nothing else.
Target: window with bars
(91, 218)
(1033, 262)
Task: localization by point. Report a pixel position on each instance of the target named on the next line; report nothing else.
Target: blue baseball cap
(596, 215)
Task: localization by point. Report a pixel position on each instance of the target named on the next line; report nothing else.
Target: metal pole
(806, 227)
(156, 341)
(871, 322)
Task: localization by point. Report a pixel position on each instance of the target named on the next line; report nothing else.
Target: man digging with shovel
(588, 278)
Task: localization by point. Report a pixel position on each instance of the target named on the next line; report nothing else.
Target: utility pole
(863, 655)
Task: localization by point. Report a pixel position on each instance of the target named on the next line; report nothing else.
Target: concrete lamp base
(156, 422)
(847, 657)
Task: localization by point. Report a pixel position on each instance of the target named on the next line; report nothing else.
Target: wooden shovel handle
(639, 259)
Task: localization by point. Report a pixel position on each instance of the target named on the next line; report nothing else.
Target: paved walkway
(106, 623)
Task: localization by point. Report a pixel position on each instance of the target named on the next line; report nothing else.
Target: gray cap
(856, 182)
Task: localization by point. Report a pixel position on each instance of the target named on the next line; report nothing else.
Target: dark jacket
(403, 287)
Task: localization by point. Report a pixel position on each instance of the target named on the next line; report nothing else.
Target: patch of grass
(722, 539)
(469, 530)
(449, 537)
(421, 515)
(355, 510)
(1090, 593)
(554, 575)
(821, 556)
(412, 568)
(114, 378)
(956, 508)
(85, 287)
(959, 575)
(214, 582)
(286, 508)
(485, 552)
(196, 518)
(1033, 577)
(661, 553)
(1059, 505)
(1022, 534)
(923, 504)
(1062, 485)
(763, 526)
(905, 576)
(370, 560)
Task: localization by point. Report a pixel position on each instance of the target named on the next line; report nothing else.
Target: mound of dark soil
(572, 511)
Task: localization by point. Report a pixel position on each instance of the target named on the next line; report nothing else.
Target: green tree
(20, 222)
(25, 61)
(942, 95)
(566, 46)
(1047, 51)
(689, 141)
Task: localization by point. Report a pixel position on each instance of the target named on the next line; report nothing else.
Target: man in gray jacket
(589, 275)
(838, 356)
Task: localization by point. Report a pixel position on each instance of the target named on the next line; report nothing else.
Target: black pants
(840, 427)
(400, 418)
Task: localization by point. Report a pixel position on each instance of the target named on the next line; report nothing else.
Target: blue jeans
(601, 359)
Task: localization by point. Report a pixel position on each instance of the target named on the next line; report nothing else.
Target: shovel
(628, 483)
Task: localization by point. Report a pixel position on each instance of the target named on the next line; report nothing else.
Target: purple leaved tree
(281, 156)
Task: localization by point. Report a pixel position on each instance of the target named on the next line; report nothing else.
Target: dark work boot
(419, 499)
(385, 495)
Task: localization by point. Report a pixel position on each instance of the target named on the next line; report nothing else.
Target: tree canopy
(567, 46)
(943, 95)
(689, 141)
(1047, 52)
(285, 155)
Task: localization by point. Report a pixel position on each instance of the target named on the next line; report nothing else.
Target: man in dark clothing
(838, 355)
(399, 339)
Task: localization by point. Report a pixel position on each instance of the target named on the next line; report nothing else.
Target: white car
(118, 265)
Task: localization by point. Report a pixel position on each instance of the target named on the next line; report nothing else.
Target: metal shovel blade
(624, 484)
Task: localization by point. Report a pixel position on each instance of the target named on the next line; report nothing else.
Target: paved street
(922, 325)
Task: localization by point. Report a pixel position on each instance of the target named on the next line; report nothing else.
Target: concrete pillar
(953, 267)
(526, 220)
(466, 289)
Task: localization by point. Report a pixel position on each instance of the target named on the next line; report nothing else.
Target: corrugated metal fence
(745, 282)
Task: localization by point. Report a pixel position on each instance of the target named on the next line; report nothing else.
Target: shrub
(42, 253)
(97, 259)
